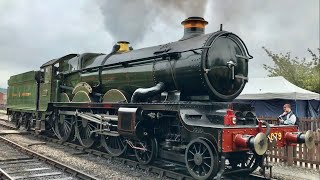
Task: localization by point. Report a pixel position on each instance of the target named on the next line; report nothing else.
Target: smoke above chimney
(131, 20)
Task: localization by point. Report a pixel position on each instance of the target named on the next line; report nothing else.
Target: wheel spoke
(204, 170)
(206, 164)
(204, 151)
(194, 148)
(87, 133)
(198, 151)
(147, 155)
(67, 126)
(250, 162)
(65, 131)
(199, 148)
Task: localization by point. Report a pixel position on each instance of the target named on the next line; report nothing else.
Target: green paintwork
(22, 91)
(72, 79)
(114, 95)
(81, 96)
(128, 79)
(64, 97)
(45, 94)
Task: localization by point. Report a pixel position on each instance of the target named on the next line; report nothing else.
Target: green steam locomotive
(171, 101)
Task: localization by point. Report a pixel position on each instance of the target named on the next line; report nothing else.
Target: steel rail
(4, 175)
(52, 162)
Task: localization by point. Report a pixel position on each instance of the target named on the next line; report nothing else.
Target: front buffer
(258, 138)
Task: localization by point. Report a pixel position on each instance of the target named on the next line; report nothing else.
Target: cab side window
(69, 65)
(92, 62)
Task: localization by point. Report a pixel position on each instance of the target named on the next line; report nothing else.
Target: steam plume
(130, 20)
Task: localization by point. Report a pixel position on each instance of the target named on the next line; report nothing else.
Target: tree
(301, 72)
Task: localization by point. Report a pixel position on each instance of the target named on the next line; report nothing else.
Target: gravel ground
(295, 173)
(100, 167)
(3, 116)
(283, 172)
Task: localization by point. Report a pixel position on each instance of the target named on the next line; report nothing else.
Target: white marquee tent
(268, 95)
(275, 88)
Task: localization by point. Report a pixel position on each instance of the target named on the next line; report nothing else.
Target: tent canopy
(275, 88)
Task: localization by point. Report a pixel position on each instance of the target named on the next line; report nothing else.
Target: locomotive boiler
(204, 66)
(171, 102)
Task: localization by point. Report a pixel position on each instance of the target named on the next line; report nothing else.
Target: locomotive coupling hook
(299, 138)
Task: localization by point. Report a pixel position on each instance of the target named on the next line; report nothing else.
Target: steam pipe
(267, 126)
(142, 94)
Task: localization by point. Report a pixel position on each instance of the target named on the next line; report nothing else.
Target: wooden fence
(298, 155)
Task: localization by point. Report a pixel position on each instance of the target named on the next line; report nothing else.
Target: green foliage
(301, 72)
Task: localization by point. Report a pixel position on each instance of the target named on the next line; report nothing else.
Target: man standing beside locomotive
(287, 117)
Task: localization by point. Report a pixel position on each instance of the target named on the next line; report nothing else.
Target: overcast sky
(35, 31)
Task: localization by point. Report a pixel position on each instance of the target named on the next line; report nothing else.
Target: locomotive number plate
(277, 135)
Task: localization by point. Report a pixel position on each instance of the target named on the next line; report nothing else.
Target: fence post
(290, 155)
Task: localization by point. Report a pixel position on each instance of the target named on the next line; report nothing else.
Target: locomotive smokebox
(193, 26)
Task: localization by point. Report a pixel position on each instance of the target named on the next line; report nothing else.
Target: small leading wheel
(200, 160)
(114, 145)
(64, 127)
(84, 129)
(147, 151)
(248, 160)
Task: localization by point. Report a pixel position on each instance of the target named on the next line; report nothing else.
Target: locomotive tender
(171, 102)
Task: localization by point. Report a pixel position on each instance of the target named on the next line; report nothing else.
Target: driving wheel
(84, 129)
(114, 145)
(64, 127)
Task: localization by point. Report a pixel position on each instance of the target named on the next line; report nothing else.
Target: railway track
(18, 162)
(162, 168)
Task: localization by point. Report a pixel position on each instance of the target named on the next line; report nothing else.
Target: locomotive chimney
(193, 26)
(124, 46)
